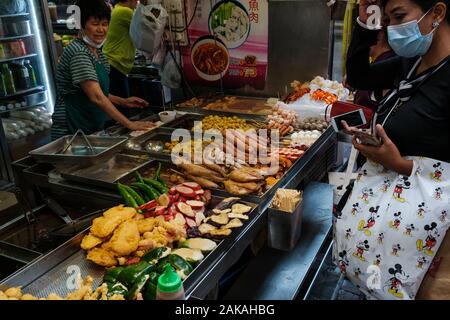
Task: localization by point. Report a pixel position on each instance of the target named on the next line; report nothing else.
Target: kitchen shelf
(15, 15)
(17, 37)
(22, 92)
(23, 108)
(18, 58)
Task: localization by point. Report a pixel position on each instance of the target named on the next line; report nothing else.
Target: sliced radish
(200, 192)
(179, 218)
(161, 210)
(195, 204)
(175, 197)
(182, 199)
(198, 198)
(172, 190)
(193, 185)
(185, 191)
(199, 217)
(164, 200)
(190, 222)
(185, 209)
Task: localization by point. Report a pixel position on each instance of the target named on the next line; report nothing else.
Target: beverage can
(22, 48)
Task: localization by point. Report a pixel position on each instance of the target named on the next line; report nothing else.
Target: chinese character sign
(228, 41)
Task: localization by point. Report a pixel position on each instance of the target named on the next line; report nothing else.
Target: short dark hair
(426, 5)
(97, 9)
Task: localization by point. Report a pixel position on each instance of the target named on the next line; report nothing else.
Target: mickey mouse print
(394, 223)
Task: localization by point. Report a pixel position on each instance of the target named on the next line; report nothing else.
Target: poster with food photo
(228, 41)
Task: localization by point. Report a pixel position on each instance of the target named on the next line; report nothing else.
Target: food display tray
(51, 153)
(54, 272)
(106, 174)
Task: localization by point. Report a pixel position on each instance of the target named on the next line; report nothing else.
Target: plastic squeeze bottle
(170, 286)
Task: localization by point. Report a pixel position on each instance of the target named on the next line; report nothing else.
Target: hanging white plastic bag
(147, 27)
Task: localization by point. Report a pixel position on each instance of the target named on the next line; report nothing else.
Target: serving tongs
(72, 140)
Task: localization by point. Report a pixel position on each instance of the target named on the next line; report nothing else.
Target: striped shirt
(77, 64)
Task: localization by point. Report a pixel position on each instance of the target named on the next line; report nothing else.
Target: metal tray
(51, 273)
(107, 174)
(49, 153)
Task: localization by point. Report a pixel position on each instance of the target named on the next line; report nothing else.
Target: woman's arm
(363, 75)
(95, 94)
(117, 101)
(131, 102)
(387, 154)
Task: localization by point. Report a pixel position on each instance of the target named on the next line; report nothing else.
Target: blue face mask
(407, 40)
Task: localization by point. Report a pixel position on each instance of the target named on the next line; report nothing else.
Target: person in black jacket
(413, 119)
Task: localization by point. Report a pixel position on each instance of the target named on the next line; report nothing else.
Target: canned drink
(17, 48)
(23, 49)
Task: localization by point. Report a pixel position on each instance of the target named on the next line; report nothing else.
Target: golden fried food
(54, 296)
(104, 226)
(90, 241)
(3, 296)
(146, 225)
(125, 212)
(15, 292)
(102, 257)
(83, 292)
(125, 239)
(29, 297)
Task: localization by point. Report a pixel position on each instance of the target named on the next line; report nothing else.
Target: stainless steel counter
(311, 167)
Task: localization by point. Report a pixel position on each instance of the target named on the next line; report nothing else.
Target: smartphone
(353, 118)
(367, 138)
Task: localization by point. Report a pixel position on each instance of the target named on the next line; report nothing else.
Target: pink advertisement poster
(228, 41)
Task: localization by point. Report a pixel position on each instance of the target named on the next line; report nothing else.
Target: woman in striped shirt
(82, 78)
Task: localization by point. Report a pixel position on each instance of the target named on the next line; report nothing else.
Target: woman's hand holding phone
(387, 154)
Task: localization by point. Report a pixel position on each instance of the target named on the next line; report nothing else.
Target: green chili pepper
(156, 185)
(138, 177)
(126, 196)
(151, 193)
(135, 195)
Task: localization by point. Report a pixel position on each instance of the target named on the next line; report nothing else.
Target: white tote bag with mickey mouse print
(392, 226)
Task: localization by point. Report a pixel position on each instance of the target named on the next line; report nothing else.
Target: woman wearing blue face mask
(414, 117)
(82, 78)
(401, 186)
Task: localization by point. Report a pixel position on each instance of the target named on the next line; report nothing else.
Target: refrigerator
(27, 87)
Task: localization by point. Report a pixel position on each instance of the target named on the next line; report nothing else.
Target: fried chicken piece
(90, 241)
(29, 297)
(126, 213)
(15, 292)
(125, 239)
(146, 225)
(102, 227)
(3, 296)
(102, 257)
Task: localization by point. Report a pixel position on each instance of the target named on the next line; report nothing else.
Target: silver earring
(435, 24)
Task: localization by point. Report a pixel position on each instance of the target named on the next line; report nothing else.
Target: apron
(81, 113)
